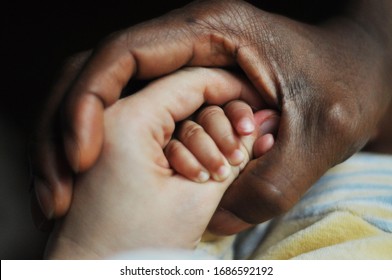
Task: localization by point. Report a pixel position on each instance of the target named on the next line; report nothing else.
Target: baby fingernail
(203, 176)
(222, 173)
(246, 125)
(237, 157)
(45, 198)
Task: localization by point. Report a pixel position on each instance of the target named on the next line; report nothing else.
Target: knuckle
(331, 126)
(237, 107)
(215, 18)
(208, 114)
(190, 130)
(173, 148)
(341, 120)
(275, 200)
(339, 117)
(327, 112)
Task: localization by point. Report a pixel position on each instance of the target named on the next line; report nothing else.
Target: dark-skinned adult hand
(330, 81)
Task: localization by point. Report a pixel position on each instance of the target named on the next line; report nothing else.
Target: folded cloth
(347, 214)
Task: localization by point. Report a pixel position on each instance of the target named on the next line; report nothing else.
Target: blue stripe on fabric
(384, 201)
(343, 204)
(368, 165)
(385, 225)
(345, 187)
(370, 158)
(335, 176)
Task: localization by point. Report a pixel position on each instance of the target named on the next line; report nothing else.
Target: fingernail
(222, 173)
(246, 125)
(269, 126)
(45, 198)
(237, 157)
(203, 176)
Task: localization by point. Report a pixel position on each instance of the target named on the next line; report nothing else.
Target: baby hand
(206, 146)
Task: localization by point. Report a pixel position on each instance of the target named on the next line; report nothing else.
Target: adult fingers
(132, 52)
(273, 183)
(204, 33)
(52, 177)
(268, 187)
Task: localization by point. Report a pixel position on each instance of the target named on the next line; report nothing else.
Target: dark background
(36, 37)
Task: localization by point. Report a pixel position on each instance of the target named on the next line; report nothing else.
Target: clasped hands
(328, 82)
(151, 190)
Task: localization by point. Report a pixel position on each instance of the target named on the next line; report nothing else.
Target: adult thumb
(269, 186)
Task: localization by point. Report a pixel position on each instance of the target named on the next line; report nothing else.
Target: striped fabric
(347, 214)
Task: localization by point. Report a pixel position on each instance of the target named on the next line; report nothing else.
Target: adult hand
(330, 82)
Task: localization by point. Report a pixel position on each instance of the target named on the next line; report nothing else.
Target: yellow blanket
(347, 214)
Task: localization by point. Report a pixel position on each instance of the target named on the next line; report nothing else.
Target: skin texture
(329, 81)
